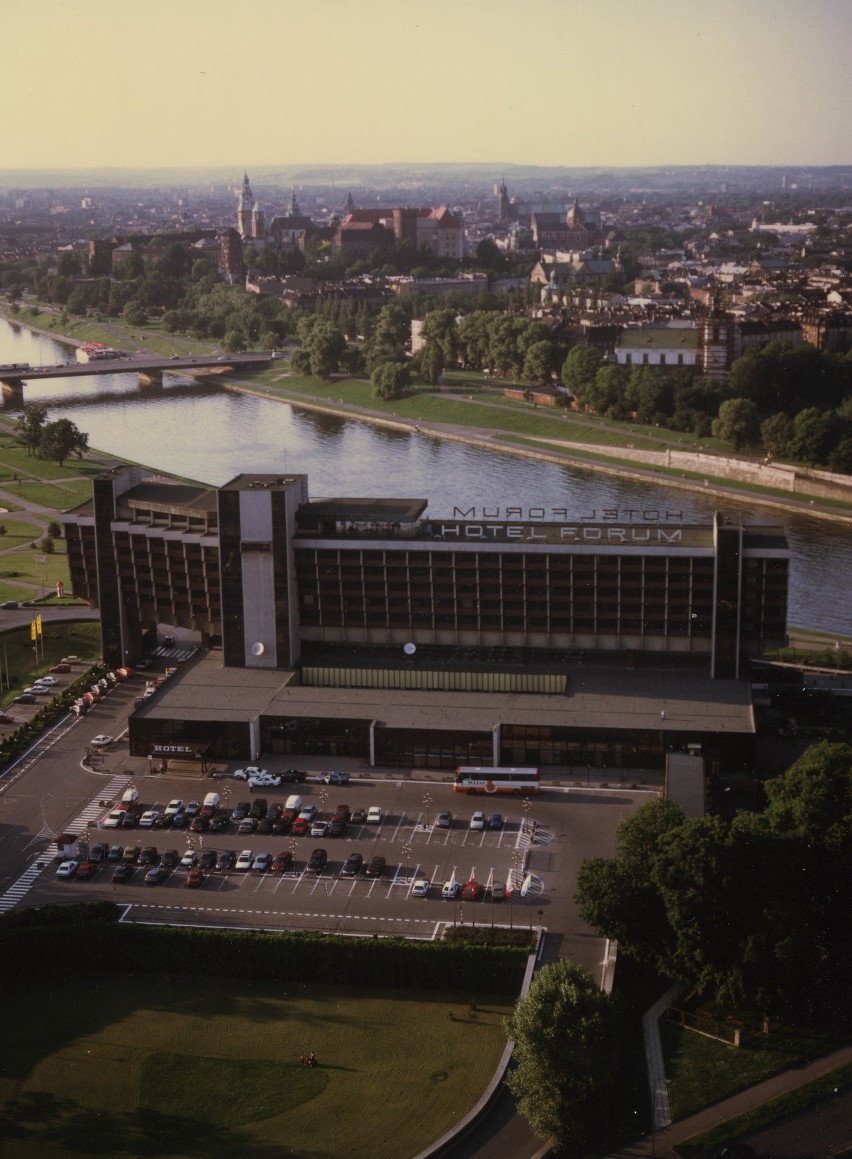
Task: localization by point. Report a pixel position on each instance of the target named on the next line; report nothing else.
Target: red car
(473, 891)
(194, 878)
(86, 870)
(300, 827)
(61, 668)
(282, 863)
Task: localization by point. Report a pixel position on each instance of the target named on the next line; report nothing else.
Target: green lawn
(66, 638)
(140, 1065)
(703, 1071)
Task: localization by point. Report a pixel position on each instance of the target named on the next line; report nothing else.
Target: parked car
(249, 771)
(101, 741)
(113, 819)
(375, 867)
(450, 889)
(225, 860)
(218, 822)
(495, 821)
(194, 878)
(374, 815)
(300, 827)
(240, 811)
(247, 825)
(337, 827)
(9, 605)
(282, 863)
(47, 681)
(130, 854)
(343, 811)
(444, 820)
(189, 859)
(24, 698)
(294, 776)
(199, 824)
(317, 861)
(156, 874)
(421, 887)
(244, 860)
(173, 808)
(115, 853)
(498, 890)
(319, 828)
(207, 861)
(259, 808)
(352, 865)
(472, 890)
(98, 853)
(170, 858)
(61, 668)
(192, 808)
(180, 821)
(477, 821)
(358, 817)
(149, 855)
(261, 863)
(122, 874)
(333, 778)
(149, 819)
(308, 812)
(86, 870)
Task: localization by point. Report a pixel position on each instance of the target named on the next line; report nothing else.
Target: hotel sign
(550, 533)
(609, 525)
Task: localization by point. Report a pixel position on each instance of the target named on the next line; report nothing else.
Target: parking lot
(533, 853)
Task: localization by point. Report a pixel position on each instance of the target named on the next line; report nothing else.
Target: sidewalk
(669, 1137)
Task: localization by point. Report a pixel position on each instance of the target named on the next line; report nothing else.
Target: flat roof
(675, 701)
(362, 511)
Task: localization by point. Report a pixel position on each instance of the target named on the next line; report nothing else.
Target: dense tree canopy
(565, 1056)
(755, 910)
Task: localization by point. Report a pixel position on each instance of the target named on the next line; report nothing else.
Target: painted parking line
(199, 907)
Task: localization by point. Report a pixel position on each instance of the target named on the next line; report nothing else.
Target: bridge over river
(149, 367)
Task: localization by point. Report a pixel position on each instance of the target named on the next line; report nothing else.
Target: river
(207, 433)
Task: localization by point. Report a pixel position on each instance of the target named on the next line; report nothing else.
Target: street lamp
(427, 801)
(526, 805)
(406, 852)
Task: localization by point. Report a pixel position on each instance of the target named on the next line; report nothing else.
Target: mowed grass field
(136, 1065)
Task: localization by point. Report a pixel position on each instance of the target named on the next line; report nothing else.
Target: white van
(129, 797)
(294, 802)
(211, 804)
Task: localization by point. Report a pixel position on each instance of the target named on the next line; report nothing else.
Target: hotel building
(363, 627)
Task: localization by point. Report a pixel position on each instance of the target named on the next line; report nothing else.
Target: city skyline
(668, 82)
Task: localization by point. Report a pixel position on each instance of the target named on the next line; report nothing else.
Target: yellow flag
(38, 624)
(32, 629)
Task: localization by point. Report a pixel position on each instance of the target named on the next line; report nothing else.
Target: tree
(776, 433)
(579, 370)
(441, 329)
(565, 1055)
(30, 426)
(432, 363)
(54, 529)
(390, 379)
(61, 439)
(814, 436)
(134, 314)
(47, 546)
(737, 423)
(538, 363)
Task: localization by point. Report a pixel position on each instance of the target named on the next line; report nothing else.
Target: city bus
(473, 779)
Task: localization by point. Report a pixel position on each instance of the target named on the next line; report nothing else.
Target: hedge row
(91, 944)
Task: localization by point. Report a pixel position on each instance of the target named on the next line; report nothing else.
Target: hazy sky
(90, 83)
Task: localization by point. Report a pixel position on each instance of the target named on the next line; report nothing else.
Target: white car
(67, 869)
(146, 821)
(113, 820)
(450, 889)
(308, 813)
(374, 815)
(49, 681)
(477, 821)
(244, 860)
(319, 828)
(249, 772)
(264, 781)
(421, 887)
(174, 807)
(189, 859)
(100, 741)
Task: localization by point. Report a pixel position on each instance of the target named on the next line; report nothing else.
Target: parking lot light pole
(427, 801)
